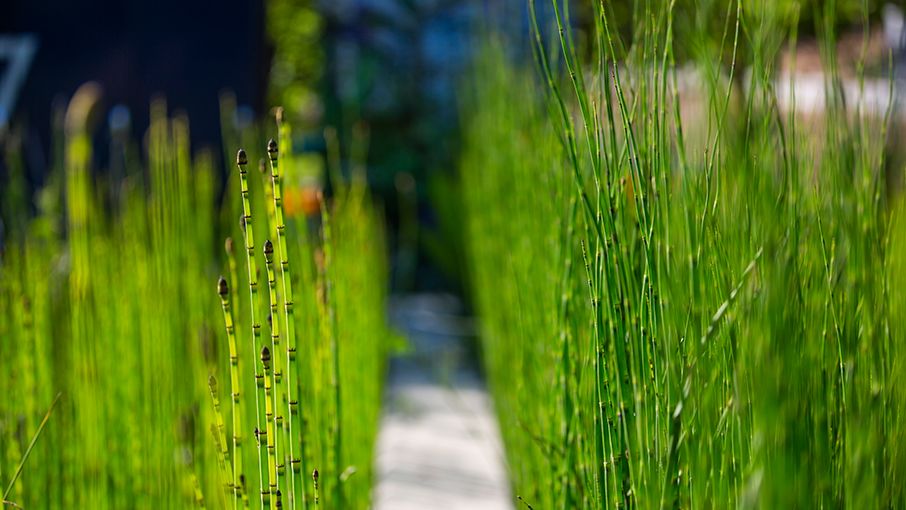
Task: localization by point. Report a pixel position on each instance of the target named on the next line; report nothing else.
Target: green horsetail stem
(242, 161)
(198, 495)
(278, 392)
(269, 413)
(31, 445)
(243, 490)
(230, 249)
(220, 432)
(294, 430)
(224, 291)
(268, 196)
(330, 304)
(314, 478)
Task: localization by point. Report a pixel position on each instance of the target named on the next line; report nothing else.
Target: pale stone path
(438, 445)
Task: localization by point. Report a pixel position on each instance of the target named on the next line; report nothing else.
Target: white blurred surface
(439, 445)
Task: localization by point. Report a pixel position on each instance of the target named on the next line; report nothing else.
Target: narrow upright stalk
(233, 273)
(334, 347)
(224, 291)
(292, 367)
(219, 432)
(268, 196)
(269, 413)
(314, 478)
(278, 390)
(242, 161)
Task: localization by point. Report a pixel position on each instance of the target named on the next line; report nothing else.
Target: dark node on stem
(272, 148)
(266, 356)
(228, 245)
(241, 158)
(270, 320)
(314, 475)
(268, 249)
(222, 287)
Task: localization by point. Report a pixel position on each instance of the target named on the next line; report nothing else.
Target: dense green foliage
(118, 310)
(685, 309)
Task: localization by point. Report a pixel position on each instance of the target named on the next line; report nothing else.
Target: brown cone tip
(222, 288)
(241, 158)
(271, 146)
(265, 355)
(314, 474)
(228, 245)
(268, 248)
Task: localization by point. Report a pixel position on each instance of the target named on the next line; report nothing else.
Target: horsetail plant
(232, 271)
(278, 390)
(731, 340)
(291, 375)
(218, 430)
(269, 414)
(223, 291)
(246, 223)
(130, 338)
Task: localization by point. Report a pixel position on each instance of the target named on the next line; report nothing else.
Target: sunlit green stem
(242, 161)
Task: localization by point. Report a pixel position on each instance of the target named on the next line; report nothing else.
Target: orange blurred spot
(303, 200)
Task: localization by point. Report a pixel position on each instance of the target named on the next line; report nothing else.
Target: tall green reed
(309, 419)
(103, 298)
(710, 291)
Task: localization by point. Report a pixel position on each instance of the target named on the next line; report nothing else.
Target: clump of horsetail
(242, 161)
(269, 414)
(293, 430)
(278, 390)
(224, 291)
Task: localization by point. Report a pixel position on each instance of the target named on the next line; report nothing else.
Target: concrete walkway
(439, 445)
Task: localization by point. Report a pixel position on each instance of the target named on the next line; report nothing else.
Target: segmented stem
(233, 272)
(242, 161)
(269, 413)
(294, 430)
(278, 393)
(314, 477)
(224, 291)
(219, 432)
